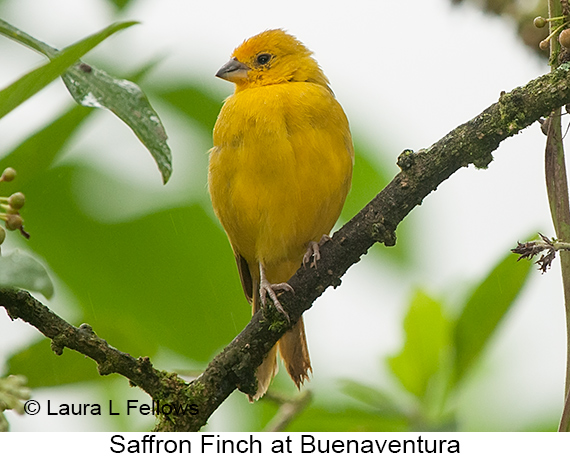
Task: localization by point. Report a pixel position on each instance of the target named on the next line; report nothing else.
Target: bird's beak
(233, 71)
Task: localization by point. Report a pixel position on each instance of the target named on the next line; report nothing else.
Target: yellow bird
(279, 173)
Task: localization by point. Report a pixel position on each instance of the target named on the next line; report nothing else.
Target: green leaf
(33, 82)
(485, 309)
(427, 343)
(120, 4)
(329, 418)
(370, 176)
(195, 101)
(169, 274)
(43, 368)
(92, 87)
(372, 397)
(20, 270)
(38, 152)
(368, 179)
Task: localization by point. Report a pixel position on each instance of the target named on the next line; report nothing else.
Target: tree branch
(21, 305)
(421, 173)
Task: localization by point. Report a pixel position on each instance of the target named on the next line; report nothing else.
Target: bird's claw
(314, 252)
(266, 288)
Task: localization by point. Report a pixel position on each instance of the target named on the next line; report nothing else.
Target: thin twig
(21, 305)
(289, 409)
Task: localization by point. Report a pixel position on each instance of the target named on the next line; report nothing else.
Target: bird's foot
(314, 252)
(266, 288)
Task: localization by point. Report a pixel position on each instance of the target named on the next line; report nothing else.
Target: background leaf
(344, 419)
(33, 82)
(373, 398)
(370, 176)
(120, 4)
(194, 101)
(44, 369)
(37, 153)
(427, 341)
(167, 277)
(18, 269)
(485, 309)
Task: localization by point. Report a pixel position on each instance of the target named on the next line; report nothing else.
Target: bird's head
(272, 57)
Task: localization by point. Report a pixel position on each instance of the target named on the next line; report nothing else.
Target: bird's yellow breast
(280, 170)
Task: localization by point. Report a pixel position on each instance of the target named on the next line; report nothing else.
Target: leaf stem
(557, 189)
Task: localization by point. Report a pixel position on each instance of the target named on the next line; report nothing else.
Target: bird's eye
(262, 59)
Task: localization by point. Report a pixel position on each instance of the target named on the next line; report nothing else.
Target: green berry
(544, 44)
(2, 235)
(8, 174)
(564, 38)
(539, 22)
(17, 200)
(14, 221)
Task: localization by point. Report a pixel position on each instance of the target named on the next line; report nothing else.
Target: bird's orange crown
(272, 57)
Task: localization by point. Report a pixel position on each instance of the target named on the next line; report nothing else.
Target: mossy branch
(421, 173)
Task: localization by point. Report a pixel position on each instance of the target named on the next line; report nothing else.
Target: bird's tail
(265, 373)
(269, 367)
(295, 353)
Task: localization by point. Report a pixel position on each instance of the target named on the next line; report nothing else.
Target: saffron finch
(279, 173)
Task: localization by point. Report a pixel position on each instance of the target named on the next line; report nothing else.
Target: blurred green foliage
(165, 281)
(20, 270)
(120, 4)
(440, 349)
